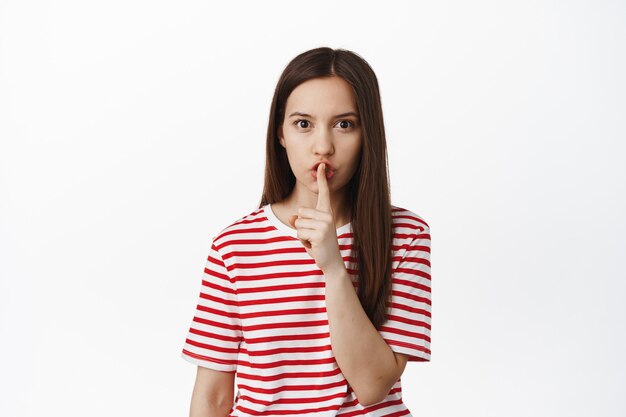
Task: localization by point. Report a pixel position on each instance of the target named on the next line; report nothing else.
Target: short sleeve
(215, 332)
(407, 329)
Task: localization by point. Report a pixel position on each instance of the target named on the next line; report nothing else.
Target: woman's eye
(344, 122)
(297, 123)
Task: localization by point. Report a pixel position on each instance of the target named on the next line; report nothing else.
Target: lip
(329, 174)
(330, 171)
(329, 166)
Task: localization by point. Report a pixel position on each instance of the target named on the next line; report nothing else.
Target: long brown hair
(368, 190)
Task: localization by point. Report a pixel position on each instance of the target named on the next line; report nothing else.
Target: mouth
(329, 166)
(329, 173)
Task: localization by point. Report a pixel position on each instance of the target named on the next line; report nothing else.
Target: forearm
(363, 356)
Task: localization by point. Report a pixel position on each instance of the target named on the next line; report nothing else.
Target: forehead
(321, 96)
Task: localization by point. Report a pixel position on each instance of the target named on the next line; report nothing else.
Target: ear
(280, 136)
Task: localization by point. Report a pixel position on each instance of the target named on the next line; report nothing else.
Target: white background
(133, 131)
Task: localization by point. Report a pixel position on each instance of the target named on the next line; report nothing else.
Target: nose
(323, 143)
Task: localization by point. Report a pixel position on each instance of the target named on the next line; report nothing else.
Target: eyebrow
(350, 113)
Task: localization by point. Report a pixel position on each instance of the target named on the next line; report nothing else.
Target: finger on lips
(323, 198)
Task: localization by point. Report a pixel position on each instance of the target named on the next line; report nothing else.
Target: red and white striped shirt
(261, 313)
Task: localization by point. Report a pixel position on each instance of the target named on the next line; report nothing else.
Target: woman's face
(322, 124)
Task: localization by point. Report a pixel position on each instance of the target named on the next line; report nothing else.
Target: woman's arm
(367, 362)
(213, 393)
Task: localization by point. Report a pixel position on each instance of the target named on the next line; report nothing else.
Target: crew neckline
(288, 230)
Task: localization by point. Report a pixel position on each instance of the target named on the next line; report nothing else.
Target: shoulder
(245, 226)
(411, 234)
(407, 223)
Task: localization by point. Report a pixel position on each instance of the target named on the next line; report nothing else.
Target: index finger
(323, 193)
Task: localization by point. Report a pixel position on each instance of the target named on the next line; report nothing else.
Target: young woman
(317, 299)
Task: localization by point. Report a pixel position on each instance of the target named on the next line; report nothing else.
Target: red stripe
(208, 358)
(285, 412)
(287, 375)
(397, 225)
(284, 325)
(406, 333)
(215, 259)
(214, 335)
(411, 309)
(266, 339)
(356, 400)
(211, 284)
(416, 272)
(282, 287)
(408, 345)
(217, 324)
(216, 274)
(269, 264)
(286, 275)
(218, 300)
(408, 247)
(405, 320)
(261, 241)
(374, 407)
(281, 350)
(252, 221)
(411, 296)
(407, 235)
(286, 362)
(211, 347)
(277, 251)
(416, 248)
(408, 283)
(285, 388)
(296, 400)
(246, 230)
(292, 299)
(270, 313)
(230, 315)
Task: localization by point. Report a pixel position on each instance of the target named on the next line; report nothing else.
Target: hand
(316, 227)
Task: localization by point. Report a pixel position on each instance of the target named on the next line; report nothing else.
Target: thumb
(292, 220)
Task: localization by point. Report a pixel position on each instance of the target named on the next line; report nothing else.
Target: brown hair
(368, 190)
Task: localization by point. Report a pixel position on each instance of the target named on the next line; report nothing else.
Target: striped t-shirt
(261, 313)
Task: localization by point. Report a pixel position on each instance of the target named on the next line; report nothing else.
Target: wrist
(336, 272)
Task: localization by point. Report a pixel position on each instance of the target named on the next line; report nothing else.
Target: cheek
(352, 152)
(296, 161)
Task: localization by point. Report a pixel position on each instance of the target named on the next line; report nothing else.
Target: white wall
(505, 125)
